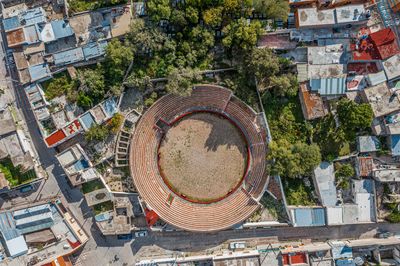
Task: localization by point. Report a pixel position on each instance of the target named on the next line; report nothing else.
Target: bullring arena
(199, 161)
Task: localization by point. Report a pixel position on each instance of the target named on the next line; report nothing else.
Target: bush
(116, 123)
(394, 217)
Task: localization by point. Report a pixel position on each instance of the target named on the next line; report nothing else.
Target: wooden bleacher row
(144, 166)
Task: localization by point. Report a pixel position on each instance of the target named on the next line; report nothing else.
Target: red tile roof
(385, 41)
(377, 46)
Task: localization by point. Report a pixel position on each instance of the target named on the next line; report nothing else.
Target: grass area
(103, 207)
(92, 186)
(76, 6)
(15, 175)
(297, 193)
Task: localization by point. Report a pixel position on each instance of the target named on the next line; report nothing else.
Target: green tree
(158, 9)
(84, 101)
(241, 34)
(151, 99)
(293, 160)
(192, 15)
(354, 117)
(118, 57)
(93, 82)
(343, 174)
(273, 9)
(345, 170)
(213, 16)
(284, 85)
(181, 81)
(97, 133)
(178, 18)
(145, 39)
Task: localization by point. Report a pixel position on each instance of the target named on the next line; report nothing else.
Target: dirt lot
(203, 156)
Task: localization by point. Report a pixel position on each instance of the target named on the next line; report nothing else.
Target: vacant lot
(203, 157)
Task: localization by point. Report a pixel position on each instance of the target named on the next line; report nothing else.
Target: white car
(141, 234)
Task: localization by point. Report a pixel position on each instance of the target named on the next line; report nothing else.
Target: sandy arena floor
(203, 156)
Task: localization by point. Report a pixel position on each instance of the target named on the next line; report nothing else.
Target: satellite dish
(359, 261)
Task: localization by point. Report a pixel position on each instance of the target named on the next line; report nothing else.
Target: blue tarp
(395, 145)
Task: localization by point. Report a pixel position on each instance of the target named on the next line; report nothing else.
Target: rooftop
(368, 144)
(365, 165)
(61, 29)
(324, 180)
(387, 175)
(381, 99)
(325, 55)
(349, 14)
(392, 67)
(38, 72)
(311, 17)
(312, 104)
(376, 46)
(308, 216)
(328, 86)
(68, 57)
(326, 71)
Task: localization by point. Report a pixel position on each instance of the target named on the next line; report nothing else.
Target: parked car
(141, 234)
(125, 237)
(26, 189)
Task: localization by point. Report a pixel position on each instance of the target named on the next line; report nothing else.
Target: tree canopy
(354, 117)
(181, 81)
(293, 160)
(273, 9)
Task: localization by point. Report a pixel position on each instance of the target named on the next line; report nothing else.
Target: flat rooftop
(311, 17)
(392, 67)
(381, 99)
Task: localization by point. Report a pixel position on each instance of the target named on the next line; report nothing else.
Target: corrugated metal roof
(33, 16)
(38, 72)
(329, 86)
(61, 29)
(93, 50)
(68, 57)
(376, 78)
(11, 23)
(309, 216)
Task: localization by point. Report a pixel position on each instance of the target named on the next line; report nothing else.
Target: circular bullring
(199, 161)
